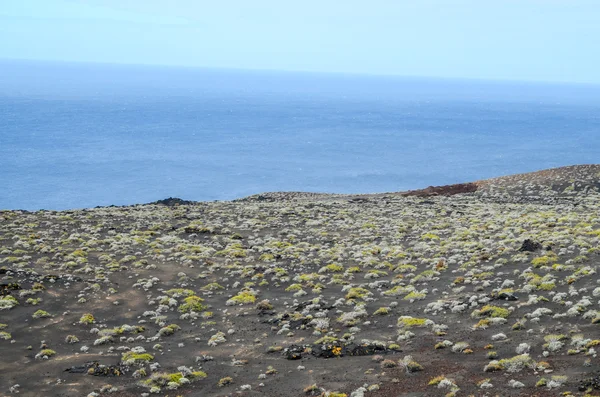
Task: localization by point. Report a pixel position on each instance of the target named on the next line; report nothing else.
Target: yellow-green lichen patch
(168, 330)
(87, 318)
(132, 357)
(412, 322)
(192, 303)
(243, 298)
(491, 311)
(171, 381)
(8, 302)
(358, 293)
(41, 314)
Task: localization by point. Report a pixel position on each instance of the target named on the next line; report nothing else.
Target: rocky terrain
(487, 288)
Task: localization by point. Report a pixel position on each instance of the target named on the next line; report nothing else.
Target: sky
(531, 40)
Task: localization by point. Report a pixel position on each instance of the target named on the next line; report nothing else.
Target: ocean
(76, 135)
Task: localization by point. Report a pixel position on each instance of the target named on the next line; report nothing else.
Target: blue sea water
(83, 135)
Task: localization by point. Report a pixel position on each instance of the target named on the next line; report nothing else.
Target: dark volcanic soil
(486, 288)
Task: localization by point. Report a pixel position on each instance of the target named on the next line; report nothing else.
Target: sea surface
(84, 135)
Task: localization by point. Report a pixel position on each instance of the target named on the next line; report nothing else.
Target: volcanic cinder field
(487, 288)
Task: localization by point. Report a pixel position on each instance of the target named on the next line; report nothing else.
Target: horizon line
(416, 189)
(304, 71)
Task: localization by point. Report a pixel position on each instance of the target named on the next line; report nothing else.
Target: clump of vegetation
(388, 364)
(168, 330)
(243, 298)
(414, 295)
(327, 339)
(8, 302)
(513, 364)
(192, 303)
(333, 394)
(264, 305)
(71, 339)
(41, 314)
(382, 311)
(132, 357)
(212, 287)
(397, 290)
(411, 322)
(443, 344)
(491, 311)
(45, 353)
(482, 324)
(274, 349)
(554, 342)
(87, 318)
(178, 292)
(225, 381)
(358, 293)
(332, 268)
(121, 330)
(171, 381)
(312, 390)
(33, 301)
(435, 381)
(294, 288)
(410, 365)
(217, 338)
(460, 347)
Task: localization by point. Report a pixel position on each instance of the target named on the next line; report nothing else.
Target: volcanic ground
(487, 288)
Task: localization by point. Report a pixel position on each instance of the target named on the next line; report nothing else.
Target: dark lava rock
(364, 350)
(294, 352)
(590, 383)
(266, 313)
(96, 369)
(172, 202)
(507, 296)
(530, 246)
(295, 324)
(302, 305)
(446, 190)
(260, 198)
(327, 351)
(6, 288)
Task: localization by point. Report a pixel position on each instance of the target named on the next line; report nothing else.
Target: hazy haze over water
(82, 135)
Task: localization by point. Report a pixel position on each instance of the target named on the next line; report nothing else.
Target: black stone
(96, 369)
(507, 296)
(530, 246)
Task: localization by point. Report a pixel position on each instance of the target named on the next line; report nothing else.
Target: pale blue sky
(546, 40)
